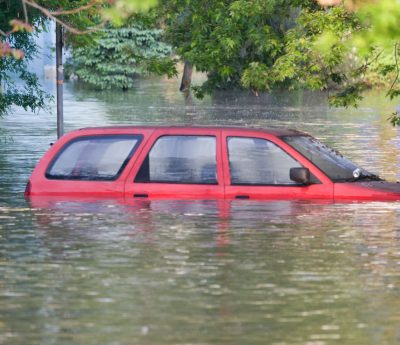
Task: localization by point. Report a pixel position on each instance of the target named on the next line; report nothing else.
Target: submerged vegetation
(259, 45)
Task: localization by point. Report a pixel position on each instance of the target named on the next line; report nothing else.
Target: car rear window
(93, 157)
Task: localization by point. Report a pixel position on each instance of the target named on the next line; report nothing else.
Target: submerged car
(201, 163)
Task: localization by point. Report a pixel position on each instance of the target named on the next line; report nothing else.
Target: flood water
(200, 272)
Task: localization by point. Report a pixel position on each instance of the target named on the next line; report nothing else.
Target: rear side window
(93, 157)
(180, 159)
(254, 161)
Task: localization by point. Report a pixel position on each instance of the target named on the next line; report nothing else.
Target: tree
(17, 48)
(378, 34)
(252, 44)
(344, 46)
(21, 19)
(312, 61)
(120, 54)
(231, 40)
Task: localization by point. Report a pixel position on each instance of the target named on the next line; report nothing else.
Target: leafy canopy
(235, 42)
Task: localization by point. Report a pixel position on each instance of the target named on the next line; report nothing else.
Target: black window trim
(138, 136)
(176, 182)
(262, 184)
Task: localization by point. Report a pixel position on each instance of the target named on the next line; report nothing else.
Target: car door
(257, 166)
(179, 163)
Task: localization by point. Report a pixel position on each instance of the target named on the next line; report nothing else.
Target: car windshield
(331, 162)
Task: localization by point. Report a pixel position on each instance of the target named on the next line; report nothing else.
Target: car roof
(276, 131)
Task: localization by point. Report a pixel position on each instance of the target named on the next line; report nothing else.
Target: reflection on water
(199, 272)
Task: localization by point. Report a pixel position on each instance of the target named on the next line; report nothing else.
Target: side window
(93, 157)
(181, 159)
(254, 161)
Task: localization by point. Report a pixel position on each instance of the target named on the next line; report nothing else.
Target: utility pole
(60, 80)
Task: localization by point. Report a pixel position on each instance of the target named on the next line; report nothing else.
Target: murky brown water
(203, 272)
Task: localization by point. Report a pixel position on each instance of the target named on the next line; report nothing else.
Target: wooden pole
(60, 80)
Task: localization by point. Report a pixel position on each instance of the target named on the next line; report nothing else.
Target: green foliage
(121, 54)
(394, 119)
(380, 25)
(256, 77)
(230, 40)
(123, 9)
(375, 40)
(262, 44)
(252, 44)
(323, 61)
(19, 86)
(348, 97)
(29, 95)
(87, 16)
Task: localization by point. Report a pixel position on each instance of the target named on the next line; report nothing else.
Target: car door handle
(242, 197)
(140, 195)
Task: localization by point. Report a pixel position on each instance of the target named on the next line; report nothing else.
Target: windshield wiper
(358, 175)
(369, 177)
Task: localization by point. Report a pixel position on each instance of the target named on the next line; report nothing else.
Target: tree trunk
(186, 77)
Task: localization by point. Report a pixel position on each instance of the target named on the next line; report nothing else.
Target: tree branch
(397, 67)
(367, 63)
(25, 12)
(70, 28)
(76, 10)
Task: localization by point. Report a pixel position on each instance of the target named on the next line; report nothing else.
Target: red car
(201, 163)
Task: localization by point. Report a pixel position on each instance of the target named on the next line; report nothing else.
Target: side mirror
(300, 175)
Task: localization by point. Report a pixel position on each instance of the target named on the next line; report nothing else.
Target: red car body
(227, 146)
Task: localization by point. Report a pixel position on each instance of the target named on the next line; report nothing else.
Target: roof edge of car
(278, 131)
